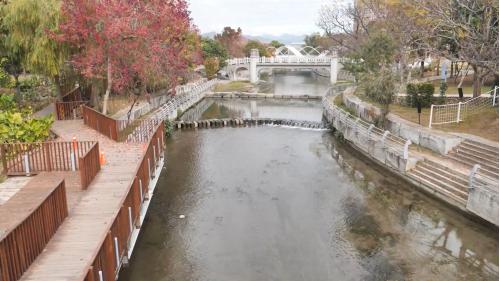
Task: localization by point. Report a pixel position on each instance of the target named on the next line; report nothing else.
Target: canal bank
(475, 194)
(288, 209)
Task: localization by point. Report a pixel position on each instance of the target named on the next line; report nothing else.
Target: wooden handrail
(70, 110)
(89, 165)
(117, 239)
(100, 122)
(33, 158)
(40, 208)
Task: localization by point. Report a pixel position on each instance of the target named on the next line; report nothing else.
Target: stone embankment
(247, 122)
(469, 188)
(436, 141)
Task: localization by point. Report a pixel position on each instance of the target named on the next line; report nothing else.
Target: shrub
(422, 92)
(442, 92)
(380, 87)
(211, 67)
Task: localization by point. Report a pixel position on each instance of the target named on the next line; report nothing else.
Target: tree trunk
(437, 67)
(108, 88)
(422, 68)
(18, 88)
(476, 85)
(94, 94)
(57, 84)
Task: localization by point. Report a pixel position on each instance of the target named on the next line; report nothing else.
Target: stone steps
(457, 180)
(443, 183)
(476, 152)
(481, 146)
(470, 153)
(442, 179)
(489, 169)
(423, 179)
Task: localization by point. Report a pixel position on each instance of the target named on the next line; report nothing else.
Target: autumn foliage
(127, 41)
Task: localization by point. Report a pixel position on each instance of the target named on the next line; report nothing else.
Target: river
(271, 203)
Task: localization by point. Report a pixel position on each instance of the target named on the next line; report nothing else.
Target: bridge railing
(282, 60)
(116, 243)
(39, 211)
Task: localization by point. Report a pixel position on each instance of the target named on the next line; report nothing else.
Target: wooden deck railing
(101, 123)
(33, 158)
(40, 210)
(69, 110)
(115, 243)
(89, 165)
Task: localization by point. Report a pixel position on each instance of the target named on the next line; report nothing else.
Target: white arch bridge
(289, 58)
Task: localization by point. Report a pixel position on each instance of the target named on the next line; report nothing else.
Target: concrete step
(452, 179)
(479, 153)
(480, 146)
(489, 171)
(474, 160)
(446, 169)
(438, 188)
(476, 157)
(442, 184)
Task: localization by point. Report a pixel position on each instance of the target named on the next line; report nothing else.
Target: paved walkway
(70, 252)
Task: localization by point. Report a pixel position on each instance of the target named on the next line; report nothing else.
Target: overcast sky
(257, 16)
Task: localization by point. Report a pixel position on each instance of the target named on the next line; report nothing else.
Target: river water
(271, 203)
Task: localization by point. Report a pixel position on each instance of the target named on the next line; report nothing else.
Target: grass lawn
(483, 123)
(234, 86)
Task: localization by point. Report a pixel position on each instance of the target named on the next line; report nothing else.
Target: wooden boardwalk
(71, 251)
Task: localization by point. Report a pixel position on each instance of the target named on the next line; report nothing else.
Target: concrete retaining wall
(382, 149)
(420, 135)
(484, 203)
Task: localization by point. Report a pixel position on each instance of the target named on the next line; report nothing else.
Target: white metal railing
(283, 60)
(388, 140)
(457, 112)
(184, 98)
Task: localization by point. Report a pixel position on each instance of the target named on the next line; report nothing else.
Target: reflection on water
(238, 108)
(274, 204)
(295, 83)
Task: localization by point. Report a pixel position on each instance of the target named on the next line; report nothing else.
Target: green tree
(254, 44)
(377, 52)
(29, 26)
(211, 67)
(276, 44)
(213, 49)
(380, 87)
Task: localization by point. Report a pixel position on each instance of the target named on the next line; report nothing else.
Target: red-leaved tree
(126, 42)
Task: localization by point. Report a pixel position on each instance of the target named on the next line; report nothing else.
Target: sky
(257, 17)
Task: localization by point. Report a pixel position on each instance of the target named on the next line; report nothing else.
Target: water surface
(267, 203)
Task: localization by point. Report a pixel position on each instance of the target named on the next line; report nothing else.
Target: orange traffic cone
(102, 160)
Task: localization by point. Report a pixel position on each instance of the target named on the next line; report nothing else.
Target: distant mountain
(266, 38)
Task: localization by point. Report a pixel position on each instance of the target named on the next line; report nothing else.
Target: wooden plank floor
(71, 250)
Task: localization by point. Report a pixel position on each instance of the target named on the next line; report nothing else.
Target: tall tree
(254, 44)
(27, 42)
(232, 41)
(128, 43)
(464, 30)
(214, 49)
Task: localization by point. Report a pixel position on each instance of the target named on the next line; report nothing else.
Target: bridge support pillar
(334, 70)
(254, 58)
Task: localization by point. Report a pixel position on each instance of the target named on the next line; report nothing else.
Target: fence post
(472, 174)
(405, 151)
(3, 154)
(430, 117)
(458, 111)
(384, 136)
(101, 277)
(117, 255)
(26, 164)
